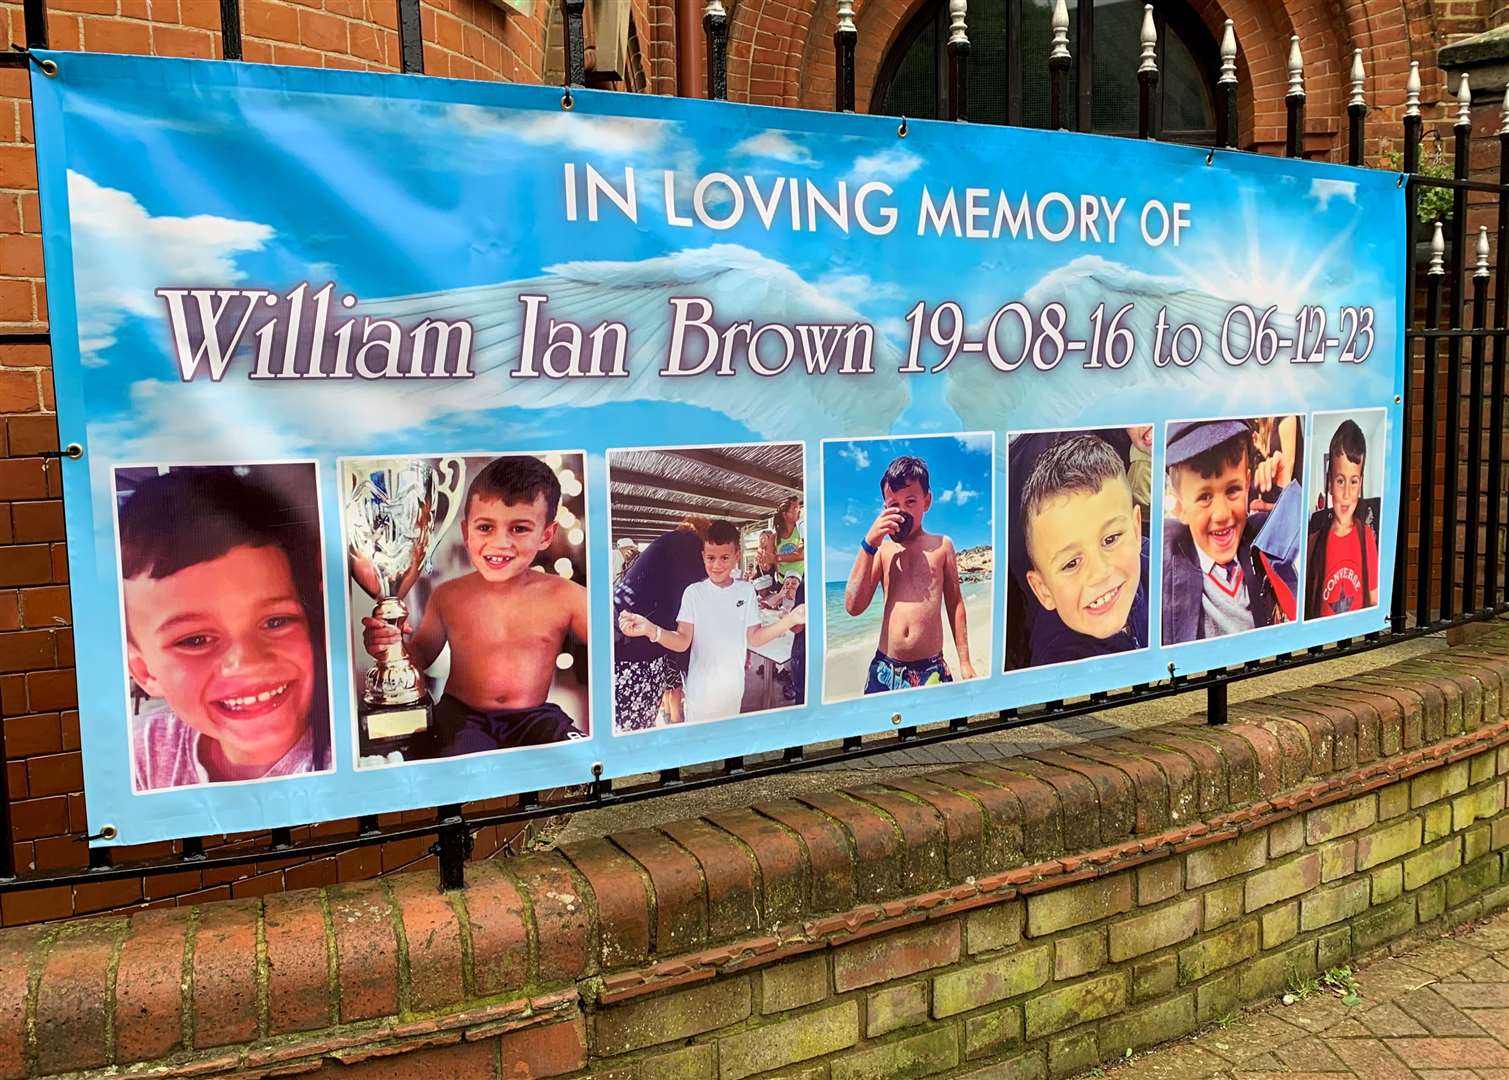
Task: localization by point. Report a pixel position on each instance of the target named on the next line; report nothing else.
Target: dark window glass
(914, 77)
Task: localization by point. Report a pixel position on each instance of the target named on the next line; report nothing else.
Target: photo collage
(469, 613)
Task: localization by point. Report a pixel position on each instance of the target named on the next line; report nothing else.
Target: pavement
(975, 748)
(1434, 1011)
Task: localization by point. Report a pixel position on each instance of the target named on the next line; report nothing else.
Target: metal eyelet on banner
(901, 131)
(73, 450)
(107, 832)
(567, 101)
(49, 67)
(1210, 156)
(896, 718)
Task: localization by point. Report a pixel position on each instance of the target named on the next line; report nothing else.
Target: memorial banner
(443, 439)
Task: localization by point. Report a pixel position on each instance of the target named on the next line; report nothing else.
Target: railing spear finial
(1437, 251)
(1294, 102)
(1357, 111)
(1359, 76)
(1412, 90)
(1059, 61)
(845, 39)
(958, 57)
(1149, 38)
(1226, 88)
(1464, 103)
(1481, 270)
(1147, 76)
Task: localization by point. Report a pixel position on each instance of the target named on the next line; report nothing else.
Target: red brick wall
(463, 38)
(1023, 919)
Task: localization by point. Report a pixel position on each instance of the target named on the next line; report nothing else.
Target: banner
(445, 439)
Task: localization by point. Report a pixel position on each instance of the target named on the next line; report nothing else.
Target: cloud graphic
(121, 252)
(857, 289)
(855, 455)
(1323, 191)
(891, 165)
(959, 495)
(611, 136)
(976, 442)
(775, 145)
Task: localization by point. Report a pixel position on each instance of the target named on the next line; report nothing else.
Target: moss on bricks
(994, 927)
(1475, 842)
(1218, 997)
(1269, 974)
(1079, 954)
(1437, 784)
(1281, 924)
(1472, 879)
(1154, 978)
(1437, 821)
(1223, 905)
(1285, 837)
(1283, 881)
(1333, 948)
(1009, 976)
(1329, 822)
(895, 1007)
(1481, 767)
(1388, 844)
(1240, 856)
(1069, 1055)
(1393, 800)
(787, 1042)
(1078, 1003)
(1432, 862)
(1338, 859)
(992, 1032)
(1327, 906)
(1218, 951)
(1388, 883)
(1156, 929)
(794, 983)
(1430, 901)
(1156, 882)
(688, 1063)
(1154, 1024)
(1060, 909)
(906, 1059)
(1475, 805)
(1383, 923)
(648, 1021)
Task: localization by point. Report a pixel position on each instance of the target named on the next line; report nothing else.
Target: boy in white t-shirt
(719, 622)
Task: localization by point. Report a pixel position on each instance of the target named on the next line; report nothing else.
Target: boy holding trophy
(504, 624)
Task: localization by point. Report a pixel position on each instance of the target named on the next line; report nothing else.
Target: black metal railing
(1430, 602)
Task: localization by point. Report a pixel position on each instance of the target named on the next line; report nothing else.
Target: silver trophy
(396, 509)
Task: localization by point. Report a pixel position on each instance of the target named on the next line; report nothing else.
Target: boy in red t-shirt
(1343, 574)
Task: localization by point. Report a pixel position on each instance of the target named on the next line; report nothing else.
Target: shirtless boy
(504, 624)
(919, 573)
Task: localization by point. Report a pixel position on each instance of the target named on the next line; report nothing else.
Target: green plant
(1342, 982)
(1431, 203)
(1299, 987)
(1229, 1019)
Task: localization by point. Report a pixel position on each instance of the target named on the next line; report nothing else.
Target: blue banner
(447, 439)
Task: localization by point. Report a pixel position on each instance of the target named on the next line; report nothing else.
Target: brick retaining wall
(1019, 920)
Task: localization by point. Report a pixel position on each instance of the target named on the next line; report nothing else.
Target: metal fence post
(410, 38)
(1493, 564)
(1226, 89)
(34, 18)
(1215, 703)
(1475, 425)
(576, 43)
(1147, 75)
(845, 40)
(1399, 614)
(715, 23)
(230, 29)
(1357, 111)
(1427, 484)
(958, 61)
(1294, 103)
(1463, 144)
(452, 847)
(1058, 67)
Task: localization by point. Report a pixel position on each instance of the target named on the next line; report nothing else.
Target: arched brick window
(1008, 66)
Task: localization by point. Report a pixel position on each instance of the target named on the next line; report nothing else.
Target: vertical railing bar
(1084, 67)
(1427, 485)
(715, 24)
(576, 45)
(958, 62)
(1215, 703)
(1013, 63)
(452, 847)
(7, 838)
(1294, 103)
(845, 40)
(1357, 111)
(1226, 86)
(1059, 61)
(193, 848)
(1493, 564)
(410, 38)
(1452, 417)
(1474, 484)
(1406, 391)
(1147, 75)
(34, 18)
(230, 29)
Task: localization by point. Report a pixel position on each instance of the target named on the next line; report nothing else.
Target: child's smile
(503, 539)
(1214, 508)
(1086, 557)
(1346, 491)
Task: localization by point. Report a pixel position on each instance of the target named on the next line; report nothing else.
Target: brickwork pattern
(1026, 919)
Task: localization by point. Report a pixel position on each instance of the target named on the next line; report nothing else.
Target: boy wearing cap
(1210, 588)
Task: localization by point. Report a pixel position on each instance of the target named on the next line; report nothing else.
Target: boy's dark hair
(722, 532)
(518, 478)
(1350, 441)
(1079, 464)
(1236, 450)
(903, 471)
(184, 517)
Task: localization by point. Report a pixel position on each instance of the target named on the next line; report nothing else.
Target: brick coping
(350, 972)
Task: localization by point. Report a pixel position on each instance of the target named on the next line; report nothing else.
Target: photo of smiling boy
(1342, 564)
(1086, 561)
(504, 623)
(719, 622)
(224, 622)
(1212, 586)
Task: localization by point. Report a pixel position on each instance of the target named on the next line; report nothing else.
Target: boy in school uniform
(1210, 585)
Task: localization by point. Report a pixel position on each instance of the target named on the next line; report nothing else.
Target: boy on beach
(1210, 587)
(1088, 560)
(220, 580)
(718, 623)
(505, 625)
(919, 573)
(1343, 556)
